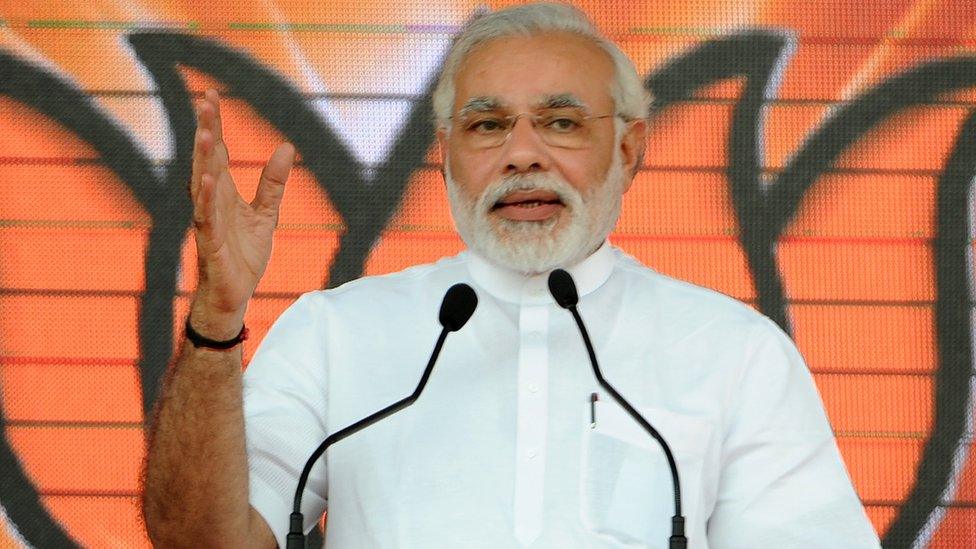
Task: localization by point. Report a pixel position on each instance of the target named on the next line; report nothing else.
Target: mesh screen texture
(839, 134)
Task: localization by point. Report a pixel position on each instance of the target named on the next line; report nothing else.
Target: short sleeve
(285, 405)
(783, 482)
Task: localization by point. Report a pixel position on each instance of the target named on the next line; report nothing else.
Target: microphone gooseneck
(563, 291)
(456, 308)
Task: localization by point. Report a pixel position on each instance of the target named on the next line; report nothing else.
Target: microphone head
(563, 289)
(457, 307)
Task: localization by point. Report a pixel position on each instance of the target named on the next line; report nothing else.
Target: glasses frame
(534, 120)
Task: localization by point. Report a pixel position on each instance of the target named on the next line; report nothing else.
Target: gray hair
(631, 100)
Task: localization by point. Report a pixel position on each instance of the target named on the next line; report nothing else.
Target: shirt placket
(533, 415)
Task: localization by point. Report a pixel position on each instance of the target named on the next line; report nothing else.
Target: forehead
(519, 71)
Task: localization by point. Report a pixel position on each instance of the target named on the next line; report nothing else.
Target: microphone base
(296, 536)
(295, 541)
(677, 539)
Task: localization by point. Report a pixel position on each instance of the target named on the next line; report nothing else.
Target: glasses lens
(484, 130)
(568, 128)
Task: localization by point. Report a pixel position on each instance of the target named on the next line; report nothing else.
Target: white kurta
(499, 450)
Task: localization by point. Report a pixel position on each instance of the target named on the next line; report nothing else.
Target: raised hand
(233, 236)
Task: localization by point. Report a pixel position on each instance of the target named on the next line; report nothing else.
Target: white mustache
(527, 182)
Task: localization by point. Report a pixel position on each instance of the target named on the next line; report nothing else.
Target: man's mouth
(536, 205)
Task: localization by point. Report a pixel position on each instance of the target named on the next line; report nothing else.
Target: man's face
(543, 196)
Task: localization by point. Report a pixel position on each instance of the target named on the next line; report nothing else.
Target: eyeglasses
(567, 128)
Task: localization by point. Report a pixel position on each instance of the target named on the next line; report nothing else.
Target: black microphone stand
(563, 290)
(458, 306)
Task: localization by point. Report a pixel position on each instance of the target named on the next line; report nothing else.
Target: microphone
(458, 306)
(563, 290)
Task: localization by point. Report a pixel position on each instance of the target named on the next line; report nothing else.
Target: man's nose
(524, 150)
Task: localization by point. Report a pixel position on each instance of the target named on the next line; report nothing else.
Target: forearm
(196, 481)
(196, 485)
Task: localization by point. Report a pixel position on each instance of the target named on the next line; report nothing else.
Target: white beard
(534, 247)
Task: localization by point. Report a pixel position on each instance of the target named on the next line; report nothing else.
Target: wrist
(212, 323)
(202, 342)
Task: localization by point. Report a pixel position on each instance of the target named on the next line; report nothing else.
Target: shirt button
(533, 388)
(531, 454)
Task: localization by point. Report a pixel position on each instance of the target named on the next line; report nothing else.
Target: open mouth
(535, 205)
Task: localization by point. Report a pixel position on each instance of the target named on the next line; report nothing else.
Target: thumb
(271, 187)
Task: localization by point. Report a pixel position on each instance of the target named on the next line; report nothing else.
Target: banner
(815, 160)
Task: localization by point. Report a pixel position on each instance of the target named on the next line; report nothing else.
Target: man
(541, 127)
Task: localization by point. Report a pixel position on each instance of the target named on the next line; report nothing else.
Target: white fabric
(499, 450)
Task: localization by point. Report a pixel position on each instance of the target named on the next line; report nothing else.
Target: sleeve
(285, 405)
(783, 482)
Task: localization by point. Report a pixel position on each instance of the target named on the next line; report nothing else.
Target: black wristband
(199, 341)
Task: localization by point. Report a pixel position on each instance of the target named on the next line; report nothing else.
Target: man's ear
(632, 147)
(442, 146)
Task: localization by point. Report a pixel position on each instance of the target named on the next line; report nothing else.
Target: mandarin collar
(515, 287)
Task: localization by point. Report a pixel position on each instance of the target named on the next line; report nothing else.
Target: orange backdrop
(85, 297)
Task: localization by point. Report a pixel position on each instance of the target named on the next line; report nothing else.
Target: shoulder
(394, 303)
(685, 319)
(706, 331)
(388, 292)
(693, 304)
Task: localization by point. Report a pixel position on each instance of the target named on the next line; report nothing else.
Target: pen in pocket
(593, 398)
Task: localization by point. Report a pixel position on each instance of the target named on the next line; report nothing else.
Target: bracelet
(199, 341)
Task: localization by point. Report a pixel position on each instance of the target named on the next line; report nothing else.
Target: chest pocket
(626, 494)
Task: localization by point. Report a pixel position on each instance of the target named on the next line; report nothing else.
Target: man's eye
(486, 125)
(562, 124)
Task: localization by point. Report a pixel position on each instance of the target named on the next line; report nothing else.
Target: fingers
(202, 150)
(204, 202)
(271, 187)
(209, 152)
(210, 120)
(213, 99)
